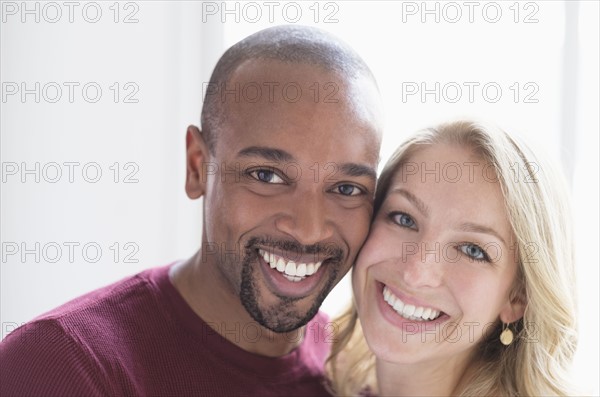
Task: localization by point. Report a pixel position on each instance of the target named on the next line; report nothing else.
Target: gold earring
(506, 337)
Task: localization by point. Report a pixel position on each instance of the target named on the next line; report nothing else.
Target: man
(286, 164)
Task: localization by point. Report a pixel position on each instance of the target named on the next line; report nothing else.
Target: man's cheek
(360, 229)
(246, 212)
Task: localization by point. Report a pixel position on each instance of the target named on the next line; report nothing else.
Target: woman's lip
(405, 298)
(409, 326)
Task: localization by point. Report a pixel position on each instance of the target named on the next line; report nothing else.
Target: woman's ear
(514, 308)
(197, 155)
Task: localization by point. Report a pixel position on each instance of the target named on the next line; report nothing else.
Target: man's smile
(292, 270)
(296, 278)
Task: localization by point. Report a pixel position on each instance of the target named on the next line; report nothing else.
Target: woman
(465, 285)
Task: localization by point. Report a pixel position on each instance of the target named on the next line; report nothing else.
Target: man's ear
(196, 156)
(514, 308)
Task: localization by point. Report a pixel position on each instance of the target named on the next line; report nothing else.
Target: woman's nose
(422, 264)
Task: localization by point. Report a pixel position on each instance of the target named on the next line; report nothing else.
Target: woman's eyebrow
(418, 203)
(476, 228)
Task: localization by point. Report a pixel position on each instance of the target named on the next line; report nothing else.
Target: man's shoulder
(95, 308)
(98, 319)
(72, 346)
(42, 357)
(105, 302)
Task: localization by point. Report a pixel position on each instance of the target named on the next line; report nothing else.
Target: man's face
(289, 190)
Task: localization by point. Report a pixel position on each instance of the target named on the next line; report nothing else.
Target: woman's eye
(475, 252)
(403, 219)
(348, 190)
(266, 176)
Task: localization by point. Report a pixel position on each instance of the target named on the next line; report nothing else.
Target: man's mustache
(326, 251)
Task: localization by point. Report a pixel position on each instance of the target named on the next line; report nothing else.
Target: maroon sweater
(139, 337)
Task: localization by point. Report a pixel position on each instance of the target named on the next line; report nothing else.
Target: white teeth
(398, 305)
(410, 312)
(292, 271)
(293, 278)
(427, 313)
(301, 270)
(281, 265)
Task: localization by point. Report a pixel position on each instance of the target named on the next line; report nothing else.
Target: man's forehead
(291, 106)
(302, 91)
(271, 80)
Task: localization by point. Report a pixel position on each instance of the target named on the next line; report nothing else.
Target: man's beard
(283, 317)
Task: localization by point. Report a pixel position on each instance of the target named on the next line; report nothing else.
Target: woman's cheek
(378, 244)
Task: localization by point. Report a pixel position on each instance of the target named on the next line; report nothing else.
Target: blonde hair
(537, 362)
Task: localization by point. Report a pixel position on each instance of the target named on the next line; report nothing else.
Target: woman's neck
(432, 378)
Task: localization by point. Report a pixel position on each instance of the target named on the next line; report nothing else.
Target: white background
(165, 51)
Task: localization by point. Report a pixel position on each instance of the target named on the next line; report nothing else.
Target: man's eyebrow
(276, 155)
(413, 199)
(354, 169)
(476, 228)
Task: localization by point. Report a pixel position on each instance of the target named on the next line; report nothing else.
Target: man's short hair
(293, 44)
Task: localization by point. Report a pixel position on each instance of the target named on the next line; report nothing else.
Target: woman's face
(436, 271)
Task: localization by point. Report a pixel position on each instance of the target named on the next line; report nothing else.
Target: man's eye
(348, 190)
(403, 219)
(474, 252)
(266, 176)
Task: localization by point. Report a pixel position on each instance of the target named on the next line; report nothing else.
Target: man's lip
(295, 256)
(281, 286)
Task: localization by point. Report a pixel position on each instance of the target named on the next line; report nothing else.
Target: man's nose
(306, 218)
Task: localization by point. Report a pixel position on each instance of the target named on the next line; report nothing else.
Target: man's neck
(218, 306)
